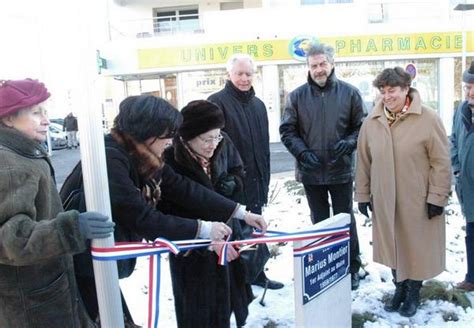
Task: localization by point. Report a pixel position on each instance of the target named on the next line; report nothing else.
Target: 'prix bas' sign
(323, 267)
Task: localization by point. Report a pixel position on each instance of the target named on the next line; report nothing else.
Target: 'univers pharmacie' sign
(269, 50)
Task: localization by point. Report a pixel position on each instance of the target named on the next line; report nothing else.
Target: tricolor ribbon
(127, 250)
(222, 256)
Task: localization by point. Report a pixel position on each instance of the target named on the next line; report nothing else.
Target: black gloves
(342, 147)
(226, 185)
(363, 208)
(434, 210)
(308, 160)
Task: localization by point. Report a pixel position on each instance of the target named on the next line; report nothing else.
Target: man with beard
(320, 126)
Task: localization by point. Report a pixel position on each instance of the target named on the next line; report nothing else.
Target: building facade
(178, 49)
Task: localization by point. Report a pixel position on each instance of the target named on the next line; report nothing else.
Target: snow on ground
(289, 212)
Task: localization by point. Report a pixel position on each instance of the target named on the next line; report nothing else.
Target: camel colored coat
(399, 170)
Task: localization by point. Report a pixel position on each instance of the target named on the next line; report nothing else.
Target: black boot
(399, 295)
(262, 279)
(412, 298)
(355, 281)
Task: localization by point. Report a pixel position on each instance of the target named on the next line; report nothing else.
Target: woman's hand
(256, 221)
(232, 254)
(219, 231)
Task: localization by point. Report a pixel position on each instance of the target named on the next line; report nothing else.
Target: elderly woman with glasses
(403, 175)
(206, 293)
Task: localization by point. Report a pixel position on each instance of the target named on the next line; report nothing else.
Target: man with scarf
(320, 125)
(247, 126)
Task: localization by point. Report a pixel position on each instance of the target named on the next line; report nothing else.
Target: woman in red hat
(37, 238)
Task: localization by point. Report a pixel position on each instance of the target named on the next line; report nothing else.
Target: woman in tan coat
(403, 174)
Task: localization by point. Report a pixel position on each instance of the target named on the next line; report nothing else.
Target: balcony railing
(157, 26)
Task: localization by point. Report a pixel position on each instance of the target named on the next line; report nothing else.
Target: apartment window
(322, 2)
(172, 20)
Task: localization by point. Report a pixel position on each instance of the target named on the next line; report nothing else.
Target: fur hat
(19, 94)
(468, 75)
(200, 116)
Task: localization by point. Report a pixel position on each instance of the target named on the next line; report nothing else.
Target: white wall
(39, 40)
(446, 94)
(271, 98)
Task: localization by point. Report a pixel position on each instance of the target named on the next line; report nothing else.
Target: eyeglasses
(210, 140)
(467, 88)
(170, 134)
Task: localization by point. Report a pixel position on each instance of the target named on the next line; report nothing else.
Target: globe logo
(299, 46)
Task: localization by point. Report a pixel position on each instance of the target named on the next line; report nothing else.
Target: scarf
(393, 117)
(146, 162)
(202, 161)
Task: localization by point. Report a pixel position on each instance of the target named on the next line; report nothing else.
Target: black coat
(70, 123)
(316, 119)
(206, 293)
(138, 218)
(246, 123)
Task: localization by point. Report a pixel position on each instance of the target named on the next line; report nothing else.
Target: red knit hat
(18, 94)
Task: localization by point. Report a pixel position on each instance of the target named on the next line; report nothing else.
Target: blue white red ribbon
(154, 290)
(222, 259)
(321, 243)
(127, 250)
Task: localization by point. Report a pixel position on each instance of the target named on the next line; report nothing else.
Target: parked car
(59, 121)
(58, 136)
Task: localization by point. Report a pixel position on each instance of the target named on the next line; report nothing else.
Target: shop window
(163, 86)
(362, 74)
(291, 77)
(201, 84)
(172, 20)
(458, 78)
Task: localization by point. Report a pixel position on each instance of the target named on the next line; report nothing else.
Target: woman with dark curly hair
(139, 181)
(403, 175)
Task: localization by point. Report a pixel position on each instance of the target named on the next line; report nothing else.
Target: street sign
(411, 69)
(101, 62)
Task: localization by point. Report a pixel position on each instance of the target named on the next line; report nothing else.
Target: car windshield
(53, 127)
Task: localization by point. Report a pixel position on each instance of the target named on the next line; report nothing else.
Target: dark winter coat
(135, 215)
(206, 293)
(246, 123)
(316, 119)
(70, 123)
(37, 241)
(462, 158)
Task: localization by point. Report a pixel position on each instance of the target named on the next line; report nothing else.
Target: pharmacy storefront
(185, 73)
